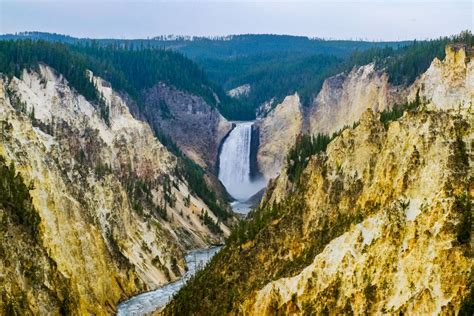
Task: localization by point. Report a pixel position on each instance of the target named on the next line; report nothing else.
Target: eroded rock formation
(114, 215)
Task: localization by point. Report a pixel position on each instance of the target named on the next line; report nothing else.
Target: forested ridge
(273, 65)
(15, 56)
(222, 47)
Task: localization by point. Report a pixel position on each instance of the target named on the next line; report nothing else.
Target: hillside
(94, 208)
(153, 82)
(224, 47)
(377, 221)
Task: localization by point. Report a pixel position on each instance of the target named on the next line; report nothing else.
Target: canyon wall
(277, 133)
(191, 123)
(112, 214)
(340, 103)
(398, 199)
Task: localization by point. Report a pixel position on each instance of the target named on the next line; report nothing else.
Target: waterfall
(234, 163)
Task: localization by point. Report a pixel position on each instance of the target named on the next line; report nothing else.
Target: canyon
(377, 223)
(145, 198)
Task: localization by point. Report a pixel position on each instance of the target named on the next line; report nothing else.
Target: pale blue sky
(369, 19)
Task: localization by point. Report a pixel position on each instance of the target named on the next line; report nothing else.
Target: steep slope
(195, 127)
(379, 223)
(115, 214)
(277, 133)
(173, 94)
(402, 201)
(162, 87)
(25, 290)
(344, 97)
(342, 100)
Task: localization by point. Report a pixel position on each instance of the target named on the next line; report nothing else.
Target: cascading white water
(234, 163)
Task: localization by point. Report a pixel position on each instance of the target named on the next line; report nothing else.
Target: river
(156, 300)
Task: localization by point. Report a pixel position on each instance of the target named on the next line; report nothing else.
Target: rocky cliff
(344, 97)
(239, 91)
(341, 102)
(448, 84)
(195, 127)
(277, 133)
(112, 213)
(391, 205)
(379, 223)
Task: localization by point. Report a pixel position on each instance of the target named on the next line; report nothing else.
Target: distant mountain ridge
(273, 65)
(224, 46)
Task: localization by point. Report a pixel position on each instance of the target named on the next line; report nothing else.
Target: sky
(369, 19)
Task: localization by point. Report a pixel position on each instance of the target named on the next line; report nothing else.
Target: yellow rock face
(373, 226)
(278, 132)
(404, 256)
(448, 84)
(340, 103)
(410, 183)
(343, 99)
(377, 224)
(93, 245)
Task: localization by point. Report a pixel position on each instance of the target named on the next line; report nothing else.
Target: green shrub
(305, 147)
(397, 111)
(15, 197)
(209, 222)
(462, 205)
(467, 304)
(370, 292)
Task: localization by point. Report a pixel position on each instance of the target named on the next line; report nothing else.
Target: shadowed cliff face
(115, 217)
(189, 121)
(379, 223)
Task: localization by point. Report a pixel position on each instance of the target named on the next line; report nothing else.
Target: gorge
(156, 300)
(235, 175)
(125, 189)
(379, 221)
